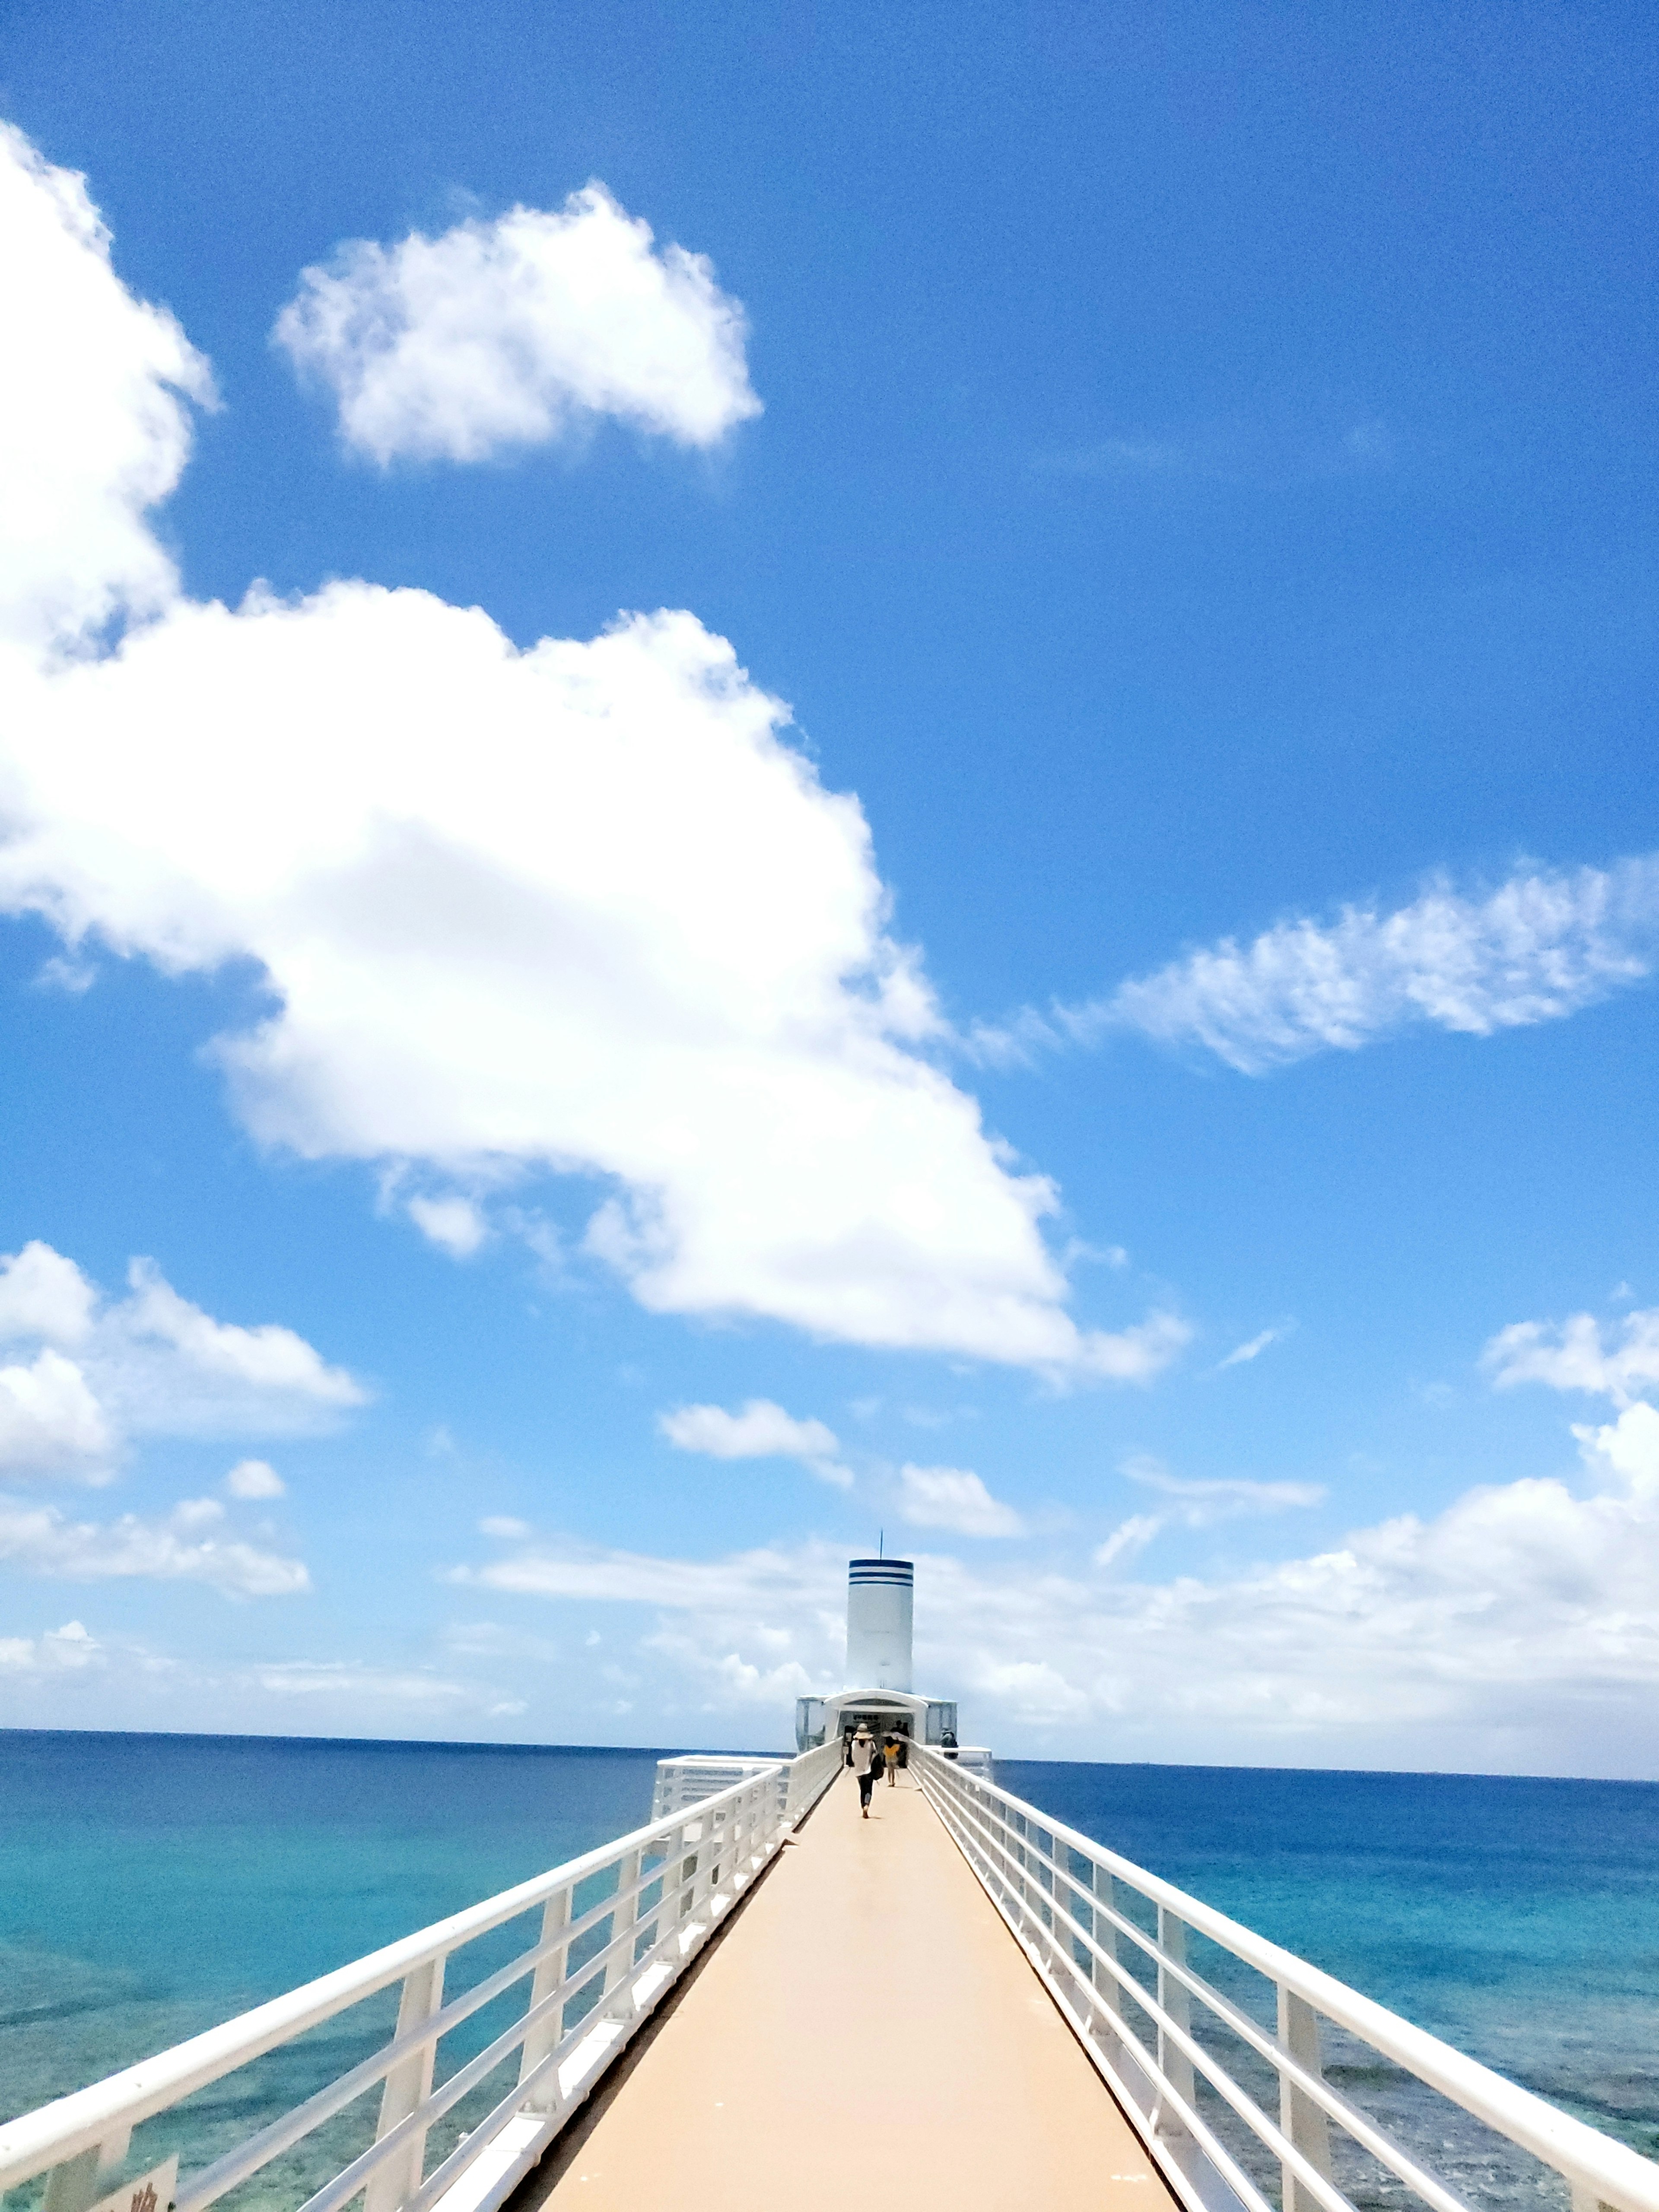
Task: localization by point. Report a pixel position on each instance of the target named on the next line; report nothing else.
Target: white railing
(694, 1775)
(618, 1928)
(1153, 2033)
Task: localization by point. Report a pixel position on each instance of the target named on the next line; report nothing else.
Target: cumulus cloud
(149, 1363)
(40, 1540)
(953, 1497)
(575, 909)
(50, 1421)
(1571, 1356)
(1541, 946)
(1518, 1630)
(255, 1478)
(512, 332)
(94, 426)
(267, 1365)
(760, 1431)
(43, 1294)
(71, 1650)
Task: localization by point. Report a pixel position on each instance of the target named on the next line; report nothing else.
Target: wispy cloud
(1543, 944)
(1264, 452)
(189, 1546)
(1569, 1355)
(1253, 1349)
(1198, 1503)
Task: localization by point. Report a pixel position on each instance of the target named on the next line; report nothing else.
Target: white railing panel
(597, 1967)
(1148, 2018)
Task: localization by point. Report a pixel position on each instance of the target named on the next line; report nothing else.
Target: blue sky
(1081, 997)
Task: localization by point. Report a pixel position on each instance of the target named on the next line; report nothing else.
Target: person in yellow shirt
(889, 1751)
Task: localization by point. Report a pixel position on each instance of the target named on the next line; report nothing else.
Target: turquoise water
(151, 1885)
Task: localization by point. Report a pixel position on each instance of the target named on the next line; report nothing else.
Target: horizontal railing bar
(1192, 2121)
(352, 2178)
(201, 2188)
(1359, 2124)
(347, 2183)
(59, 2130)
(1587, 2158)
(1232, 2093)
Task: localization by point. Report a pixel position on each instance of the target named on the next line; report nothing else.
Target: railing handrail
(1595, 2164)
(76, 2123)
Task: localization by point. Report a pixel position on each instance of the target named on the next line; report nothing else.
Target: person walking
(890, 1753)
(862, 1756)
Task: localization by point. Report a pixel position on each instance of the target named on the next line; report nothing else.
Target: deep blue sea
(151, 1885)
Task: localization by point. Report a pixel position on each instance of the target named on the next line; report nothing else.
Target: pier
(866, 2001)
(761, 1999)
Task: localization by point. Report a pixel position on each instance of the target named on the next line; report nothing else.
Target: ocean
(152, 1885)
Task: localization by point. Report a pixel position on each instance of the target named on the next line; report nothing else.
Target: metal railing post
(1174, 1997)
(548, 1977)
(1302, 2120)
(619, 1967)
(1100, 1888)
(408, 2086)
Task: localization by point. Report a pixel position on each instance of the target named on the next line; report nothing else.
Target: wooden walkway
(866, 2034)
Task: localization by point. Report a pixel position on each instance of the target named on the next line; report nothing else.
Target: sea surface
(151, 1886)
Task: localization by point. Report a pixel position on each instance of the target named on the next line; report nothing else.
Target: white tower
(879, 1598)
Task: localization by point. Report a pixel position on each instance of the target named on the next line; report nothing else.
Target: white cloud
(1542, 945)
(255, 1478)
(50, 1421)
(1199, 1502)
(1252, 1349)
(503, 1524)
(454, 1223)
(268, 1361)
(505, 903)
(93, 432)
(41, 1541)
(327, 1679)
(511, 333)
(953, 1497)
(69, 1649)
(43, 1294)
(1129, 1537)
(761, 1431)
(488, 1639)
(1518, 1630)
(1571, 1356)
(151, 1362)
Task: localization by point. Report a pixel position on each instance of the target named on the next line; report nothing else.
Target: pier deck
(865, 2034)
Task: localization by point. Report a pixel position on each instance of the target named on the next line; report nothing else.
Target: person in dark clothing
(865, 1761)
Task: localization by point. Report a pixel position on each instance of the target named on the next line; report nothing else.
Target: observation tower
(880, 1597)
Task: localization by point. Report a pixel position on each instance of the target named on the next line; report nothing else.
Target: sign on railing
(1239, 2109)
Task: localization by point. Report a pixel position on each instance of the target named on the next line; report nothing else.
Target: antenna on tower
(881, 1545)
